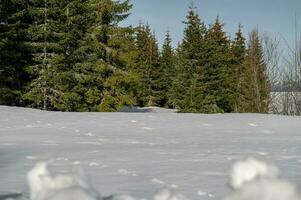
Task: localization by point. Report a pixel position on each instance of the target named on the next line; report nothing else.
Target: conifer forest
(73, 55)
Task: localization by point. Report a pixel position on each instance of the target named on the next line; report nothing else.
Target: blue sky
(276, 17)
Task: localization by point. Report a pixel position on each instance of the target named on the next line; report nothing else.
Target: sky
(274, 17)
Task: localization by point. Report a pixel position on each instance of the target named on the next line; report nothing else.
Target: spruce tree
(147, 66)
(107, 56)
(187, 90)
(259, 90)
(218, 71)
(166, 72)
(44, 35)
(15, 54)
(79, 67)
(240, 76)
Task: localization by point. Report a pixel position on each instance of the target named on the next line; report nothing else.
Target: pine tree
(108, 42)
(15, 54)
(240, 76)
(78, 45)
(259, 90)
(218, 71)
(147, 66)
(45, 35)
(187, 89)
(166, 72)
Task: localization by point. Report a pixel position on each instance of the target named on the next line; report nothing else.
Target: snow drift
(251, 179)
(44, 186)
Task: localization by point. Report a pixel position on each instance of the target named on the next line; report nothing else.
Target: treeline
(71, 55)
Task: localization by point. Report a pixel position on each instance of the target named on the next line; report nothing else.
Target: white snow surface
(137, 154)
(246, 171)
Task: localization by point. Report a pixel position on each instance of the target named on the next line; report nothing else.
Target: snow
(140, 153)
(44, 186)
(248, 170)
(255, 180)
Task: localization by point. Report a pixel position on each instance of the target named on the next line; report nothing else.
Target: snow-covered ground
(137, 153)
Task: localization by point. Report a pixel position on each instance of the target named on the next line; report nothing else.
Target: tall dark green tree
(15, 54)
(45, 36)
(80, 67)
(106, 55)
(188, 87)
(239, 81)
(218, 71)
(147, 66)
(166, 72)
(259, 90)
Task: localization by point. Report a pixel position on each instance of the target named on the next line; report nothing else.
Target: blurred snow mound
(255, 180)
(251, 179)
(167, 194)
(44, 186)
(266, 189)
(248, 170)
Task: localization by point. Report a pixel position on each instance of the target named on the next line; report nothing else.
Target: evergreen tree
(240, 76)
(166, 72)
(147, 66)
(218, 71)
(80, 68)
(187, 89)
(44, 35)
(259, 90)
(105, 55)
(15, 54)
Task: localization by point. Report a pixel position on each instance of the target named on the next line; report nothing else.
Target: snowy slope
(139, 153)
